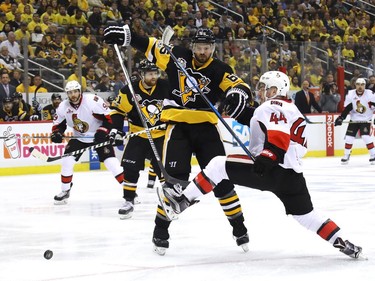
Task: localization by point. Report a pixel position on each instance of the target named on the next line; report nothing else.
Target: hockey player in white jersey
(278, 142)
(89, 117)
(359, 103)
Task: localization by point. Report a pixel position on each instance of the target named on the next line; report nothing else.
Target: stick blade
(37, 154)
(167, 35)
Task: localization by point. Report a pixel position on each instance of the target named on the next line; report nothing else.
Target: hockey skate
(63, 196)
(349, 249)
(345, 159)
(243, 242)
(126, 211)
(160, 246)
(372, 160)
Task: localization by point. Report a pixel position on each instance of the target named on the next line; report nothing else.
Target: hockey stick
(43, 137)
(167, 35)
(36, 153)
(167, 177)
(308, 121)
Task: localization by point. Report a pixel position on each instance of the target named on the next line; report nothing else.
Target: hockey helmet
(72, 85)
(360, 81)
(145, 66)
(110, 99)
(17, 95)
(7, 100)
(204, 35)
(56, 96)
(275, 79)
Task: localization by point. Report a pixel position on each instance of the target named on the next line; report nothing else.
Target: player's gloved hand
(101, 135)
(235, 102)
(34, 117)
(265, 162)
(36, 105)
(120, 35)
(57, 137)
(338, 121)
(116, 137)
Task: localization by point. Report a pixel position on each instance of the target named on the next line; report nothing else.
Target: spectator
(68, 59)
(37, 83)
(16, 78)
(104, 85)
(330, 98)
(6, 89)
(49, 11)
(78, 19)
(22, 32)
(91, 79)
(120, 83)
(42, 49)
(35, 22)
(294, 85)
(13, 46)
(56, 47)
(75, 77)
(62, 18)
(91, 49)
(304, 99)
(114, 14)
(95, 19)
(36, 35)
(26, 15)
(86, 65)
(7, 61)
(101, 67)
(86, 36)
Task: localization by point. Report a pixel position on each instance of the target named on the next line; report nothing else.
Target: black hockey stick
(36, 153)
(167, 177)
(167, 34)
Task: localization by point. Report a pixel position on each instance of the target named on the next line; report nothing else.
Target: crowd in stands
(345, 31)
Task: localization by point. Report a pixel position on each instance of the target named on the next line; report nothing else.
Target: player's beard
(201, 59)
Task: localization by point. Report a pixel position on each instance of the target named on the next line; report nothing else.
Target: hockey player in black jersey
(49, 110)
(10, 112)
(150, 91)
(191, 124)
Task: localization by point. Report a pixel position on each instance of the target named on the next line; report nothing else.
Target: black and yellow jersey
(48, 112)
(185, 104)
(151, 102)
(16, 114)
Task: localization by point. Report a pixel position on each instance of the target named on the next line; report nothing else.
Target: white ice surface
(90, 242)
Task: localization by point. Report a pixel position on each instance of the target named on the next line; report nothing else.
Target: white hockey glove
(235, 102)
(34, 117)
(120, 35)
(116, 137)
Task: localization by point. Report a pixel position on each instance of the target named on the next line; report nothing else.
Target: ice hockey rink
(90, 242)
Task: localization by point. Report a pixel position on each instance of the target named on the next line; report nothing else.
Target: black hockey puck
(48, 254)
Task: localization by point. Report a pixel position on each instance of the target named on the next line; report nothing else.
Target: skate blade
(362, 257)
(125, 217)
(169, 213)
(62, 202)
(245, 247)
(160, 250)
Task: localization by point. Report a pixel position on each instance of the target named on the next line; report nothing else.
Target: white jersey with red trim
(361, 110)
(280, 123)
(85, 118)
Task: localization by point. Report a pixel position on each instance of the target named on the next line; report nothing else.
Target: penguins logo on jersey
(151, 110)
(79, 125)
(188, 90)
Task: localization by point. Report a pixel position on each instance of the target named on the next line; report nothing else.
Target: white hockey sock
(324, 227)
(112, 164)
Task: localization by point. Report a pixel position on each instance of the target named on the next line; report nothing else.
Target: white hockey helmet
(360, 81)
(278, 80)
(72, 85)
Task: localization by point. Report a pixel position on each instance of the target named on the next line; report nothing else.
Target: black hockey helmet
(110, 99)
(16, 95)
(7, 99)
(56, 96)
(204, 35)
(145, 66)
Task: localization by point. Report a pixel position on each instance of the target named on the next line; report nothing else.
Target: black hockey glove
(338, 121)
(235, 102)
(119, 35)
(265, 162)
(101, 135)
(36, 105)
(57, 137)
(116, 137)
(34, 117)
